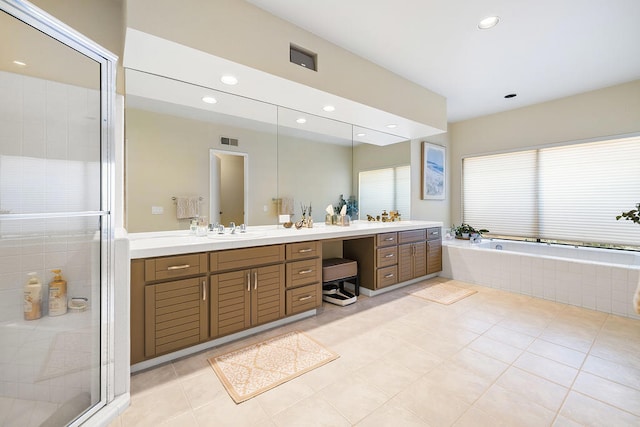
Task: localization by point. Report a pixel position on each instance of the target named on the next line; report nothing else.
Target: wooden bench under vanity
(189, 293)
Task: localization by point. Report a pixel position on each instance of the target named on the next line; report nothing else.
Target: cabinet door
(175, 315)
(230, 302)
(405, 262)
(267, 294)
(434, 256)
(420, 259)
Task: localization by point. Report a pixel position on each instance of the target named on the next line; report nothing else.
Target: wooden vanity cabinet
(434, 250)
(251, 294)
(303, 277)
(377, 258)
(169, 309)
(412, 254)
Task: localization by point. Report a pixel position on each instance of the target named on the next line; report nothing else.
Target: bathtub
(598, 279)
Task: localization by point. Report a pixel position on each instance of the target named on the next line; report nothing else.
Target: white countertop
(162, 243)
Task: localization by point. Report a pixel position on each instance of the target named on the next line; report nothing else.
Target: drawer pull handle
(178, 267)
(305, 250)
(389, 256)
(304, 298)
(204, 291)
(255, 280)
(248, 282)
(389, 239)
(305, 271)
(388, 276)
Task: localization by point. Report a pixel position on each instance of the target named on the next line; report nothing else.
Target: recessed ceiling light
(488, 22)
(209, 99)
(511, 95)
(329, 108)
(392, 126)
(20, 63)
(301, 120)
(361, 134)
(229, 80)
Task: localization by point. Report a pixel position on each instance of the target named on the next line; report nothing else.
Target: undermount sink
(234, 236)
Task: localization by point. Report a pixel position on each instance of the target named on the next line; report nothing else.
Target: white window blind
(385, 189)
(570, 193)
(500, 193)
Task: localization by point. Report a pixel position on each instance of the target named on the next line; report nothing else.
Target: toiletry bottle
(57, 295)
(32, 297)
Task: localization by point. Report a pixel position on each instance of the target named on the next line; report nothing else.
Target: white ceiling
(541, 50)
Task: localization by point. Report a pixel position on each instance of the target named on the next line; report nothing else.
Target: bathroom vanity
(189, 292)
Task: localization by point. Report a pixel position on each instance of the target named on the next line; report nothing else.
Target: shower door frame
(57, 30)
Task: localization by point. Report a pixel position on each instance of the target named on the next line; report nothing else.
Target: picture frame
(433, 171)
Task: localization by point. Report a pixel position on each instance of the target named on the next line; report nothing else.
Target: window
(570, 193)
(385, 189)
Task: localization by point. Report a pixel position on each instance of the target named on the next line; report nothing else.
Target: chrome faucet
(220, 228)
(232, 226)
(243, 228)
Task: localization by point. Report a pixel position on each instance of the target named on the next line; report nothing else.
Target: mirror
(177, 146)
(170, 133)
(314, 162)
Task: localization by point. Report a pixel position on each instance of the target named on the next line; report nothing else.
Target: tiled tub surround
(598, 279)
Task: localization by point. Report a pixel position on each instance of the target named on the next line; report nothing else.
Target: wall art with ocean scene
(433, 172)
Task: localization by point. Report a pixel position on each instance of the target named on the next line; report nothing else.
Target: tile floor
(492, 359)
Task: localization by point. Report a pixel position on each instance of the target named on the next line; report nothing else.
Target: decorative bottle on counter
(57, 295)
(32, 297)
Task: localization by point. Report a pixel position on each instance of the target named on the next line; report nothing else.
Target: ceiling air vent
(303, 57)
(228, 141)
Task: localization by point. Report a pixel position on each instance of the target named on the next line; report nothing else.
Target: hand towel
(187, 207)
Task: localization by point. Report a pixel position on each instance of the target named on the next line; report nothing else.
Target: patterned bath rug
(443, 293)
(252, 370)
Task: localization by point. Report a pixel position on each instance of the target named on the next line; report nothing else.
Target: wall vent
(304, 58)
(229, 141)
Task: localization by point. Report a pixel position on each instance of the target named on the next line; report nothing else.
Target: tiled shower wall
(49, 163)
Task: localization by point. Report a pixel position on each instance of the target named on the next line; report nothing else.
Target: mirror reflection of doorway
(228, 187)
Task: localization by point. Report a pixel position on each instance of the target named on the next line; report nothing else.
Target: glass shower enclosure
(56, 162)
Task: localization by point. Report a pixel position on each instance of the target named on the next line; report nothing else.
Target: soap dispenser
(32, 298)
(57, 294)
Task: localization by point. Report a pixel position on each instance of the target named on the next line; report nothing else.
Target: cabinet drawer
(386, 239)
(387, 276)
(387, 256)
(243, 258)
(173, 267)
(303, 250)
(412, 236)
(304, 298)
(434, 233)
(304, 272)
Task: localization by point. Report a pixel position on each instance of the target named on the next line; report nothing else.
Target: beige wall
(606, 112)
(240, 32)
(169, 156)
(430, 210)
(100, 20)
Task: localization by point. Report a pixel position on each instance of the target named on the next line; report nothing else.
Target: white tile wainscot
(599, 279)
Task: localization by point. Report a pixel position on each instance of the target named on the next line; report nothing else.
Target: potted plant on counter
(465, 231)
